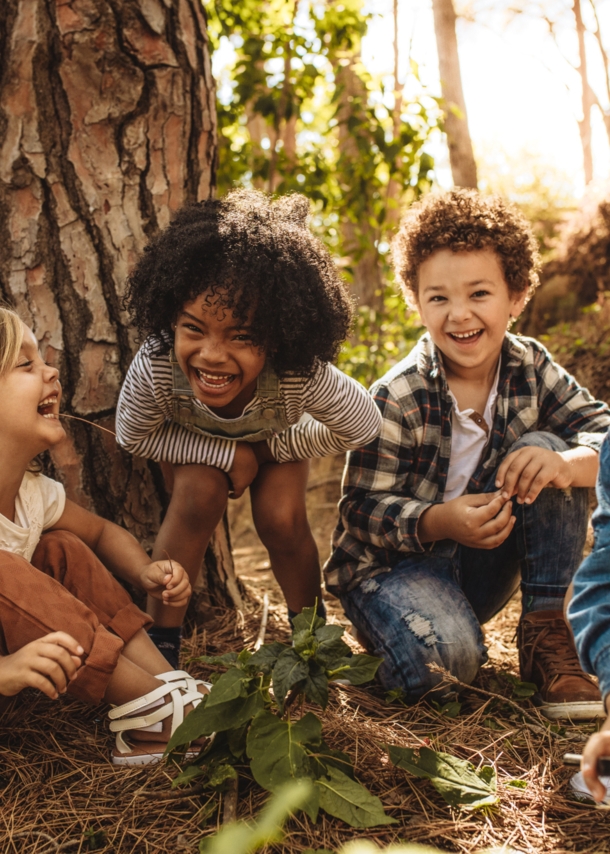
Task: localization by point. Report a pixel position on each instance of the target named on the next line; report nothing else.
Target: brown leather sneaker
(548, 658)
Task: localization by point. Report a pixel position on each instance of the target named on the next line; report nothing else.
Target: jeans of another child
(428, 609)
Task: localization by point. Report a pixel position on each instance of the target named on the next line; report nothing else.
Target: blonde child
(66, 625)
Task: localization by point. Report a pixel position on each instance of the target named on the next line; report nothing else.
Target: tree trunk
(461, 155)
(584, 125)
(359, 239)
(107, 126)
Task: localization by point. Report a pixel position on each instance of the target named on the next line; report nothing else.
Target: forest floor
(60, 793)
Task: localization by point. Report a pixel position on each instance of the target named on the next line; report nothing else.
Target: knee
(59, 541)
(540, 439)
(197, 488)
(282, 526)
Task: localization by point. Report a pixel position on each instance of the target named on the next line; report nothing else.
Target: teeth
(48, 401)
(50, 415)
(214, 379)
(465, 334)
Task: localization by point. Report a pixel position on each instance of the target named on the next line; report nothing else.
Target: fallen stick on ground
(260, 640)
(535, 724)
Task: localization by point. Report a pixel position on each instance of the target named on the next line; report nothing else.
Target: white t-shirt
(469, 436)
(39, 505)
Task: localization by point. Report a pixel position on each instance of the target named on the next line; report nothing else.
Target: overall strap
(180, 384)
(268, 384)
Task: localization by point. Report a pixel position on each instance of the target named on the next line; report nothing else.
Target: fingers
(510, 470)
(597, 746)
(66, 641)
(488, 510)
(179, 593)
(493, 533)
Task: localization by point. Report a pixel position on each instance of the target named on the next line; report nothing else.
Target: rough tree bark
(461, 155)
(107, 126)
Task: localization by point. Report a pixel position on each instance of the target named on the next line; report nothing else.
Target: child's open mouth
(465, 339)
(46, 407)
(214, 382)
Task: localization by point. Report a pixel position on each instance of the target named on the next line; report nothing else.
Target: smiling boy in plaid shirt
(478, 479)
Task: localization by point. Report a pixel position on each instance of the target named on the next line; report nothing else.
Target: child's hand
(47, 664)
(244, 469)
(597, 746)
(481, 521)
(526, 472)
(166, 580)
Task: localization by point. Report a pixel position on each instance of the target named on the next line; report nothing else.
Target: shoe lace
(553, 647)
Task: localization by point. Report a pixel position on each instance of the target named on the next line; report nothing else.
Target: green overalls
(265, 419)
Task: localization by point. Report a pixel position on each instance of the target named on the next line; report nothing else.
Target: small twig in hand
(535, 724)
(229, 812)
(260, 640)
(85, 421)
(171, 567)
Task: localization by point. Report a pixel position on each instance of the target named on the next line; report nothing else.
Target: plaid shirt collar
(430, 360)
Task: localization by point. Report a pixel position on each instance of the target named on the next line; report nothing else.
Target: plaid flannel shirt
(389, 483)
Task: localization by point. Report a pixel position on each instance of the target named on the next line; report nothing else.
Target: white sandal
(182, 689)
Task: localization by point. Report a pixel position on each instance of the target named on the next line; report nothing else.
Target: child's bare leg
(280, 516)
(140, 650)
(199, 499)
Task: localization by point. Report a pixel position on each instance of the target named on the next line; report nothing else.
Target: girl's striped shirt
(342, 416)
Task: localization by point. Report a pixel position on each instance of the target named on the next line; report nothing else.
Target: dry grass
(58, 785)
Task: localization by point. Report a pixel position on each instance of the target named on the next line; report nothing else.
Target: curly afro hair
(462, 220)
(256, 257)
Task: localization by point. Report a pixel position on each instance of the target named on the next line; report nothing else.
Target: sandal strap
(174, 676)
(145, 700)
(120, 720)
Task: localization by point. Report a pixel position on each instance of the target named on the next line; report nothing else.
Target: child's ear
(518, 304)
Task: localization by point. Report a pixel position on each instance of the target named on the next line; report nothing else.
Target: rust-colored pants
(67, 589)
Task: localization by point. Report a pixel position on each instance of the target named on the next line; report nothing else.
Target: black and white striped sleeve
(144, 426)
(343, 414)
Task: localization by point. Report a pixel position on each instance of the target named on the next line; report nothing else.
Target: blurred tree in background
(298, 111)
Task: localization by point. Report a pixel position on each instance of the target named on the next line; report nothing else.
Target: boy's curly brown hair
(255, 256)
(462, 220)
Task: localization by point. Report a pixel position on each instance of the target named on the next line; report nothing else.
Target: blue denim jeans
(429, 607)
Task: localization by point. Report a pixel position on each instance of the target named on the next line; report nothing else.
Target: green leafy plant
(458, 781)
(248, 837)
(255, 709)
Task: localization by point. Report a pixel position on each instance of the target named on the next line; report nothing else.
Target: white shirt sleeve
(53, 497)
(144, 424)
(343, 414)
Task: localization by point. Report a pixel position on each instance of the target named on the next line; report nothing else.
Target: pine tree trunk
(107, 126)
(461, 156)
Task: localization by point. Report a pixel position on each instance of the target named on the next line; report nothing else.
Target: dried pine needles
(60, 792)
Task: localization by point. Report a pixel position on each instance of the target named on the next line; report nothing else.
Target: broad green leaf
(233, 714)
(323, 757)
(330, 646)
(236, 740)
(191, 728)
(277, 749)
(309, 620)
(304, 643)
(230, 686)
(316, 685)
(327, 634)
(361, 668)
(457, 780)
(242, 837)
(264, 658)
(288, 671)
(348, 800)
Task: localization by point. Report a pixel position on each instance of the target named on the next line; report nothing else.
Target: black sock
(167, 640)
(320, 612)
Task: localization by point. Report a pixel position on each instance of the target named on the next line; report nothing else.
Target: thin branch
(229, 812)
(535, 724)
(602, 50)
(260, 640)
(85, 421)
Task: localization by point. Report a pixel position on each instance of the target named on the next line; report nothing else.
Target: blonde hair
(11, 339)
